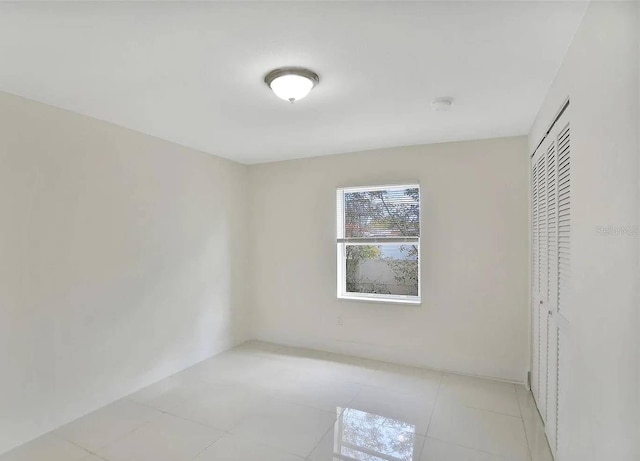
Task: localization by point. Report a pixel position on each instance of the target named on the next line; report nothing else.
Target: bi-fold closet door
(550, 258)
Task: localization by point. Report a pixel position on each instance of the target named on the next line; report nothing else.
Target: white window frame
(341, 244)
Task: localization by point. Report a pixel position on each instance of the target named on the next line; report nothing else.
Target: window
(378, 239)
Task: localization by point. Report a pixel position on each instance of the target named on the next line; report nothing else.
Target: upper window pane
(377, 212)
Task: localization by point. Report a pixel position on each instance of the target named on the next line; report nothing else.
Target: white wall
(600, 75)
(475, 269)
(122, 261)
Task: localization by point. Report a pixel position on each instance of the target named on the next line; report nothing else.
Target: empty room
(320, 230)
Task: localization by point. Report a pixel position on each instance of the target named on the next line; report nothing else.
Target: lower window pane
(390, 269)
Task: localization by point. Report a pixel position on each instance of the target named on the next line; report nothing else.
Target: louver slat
(564, 221)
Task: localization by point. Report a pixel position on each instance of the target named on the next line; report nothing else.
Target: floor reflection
(364, 436)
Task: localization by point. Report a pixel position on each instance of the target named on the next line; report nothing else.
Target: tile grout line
(427, 436)
(524, 428)
(433, 409)
(89, 452)
(207, 447)
(472, 407)
(479, 450)
(362, 386)
(323, 436)
(494, 412)
(435, 402)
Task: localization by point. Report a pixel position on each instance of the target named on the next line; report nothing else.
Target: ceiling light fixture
(441, 104)
(291, 83)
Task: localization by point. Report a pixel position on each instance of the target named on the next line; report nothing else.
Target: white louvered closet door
(543, 261)
(550, 253)
(535, 279)
(540, 276)
(550, 301)
(561, 316)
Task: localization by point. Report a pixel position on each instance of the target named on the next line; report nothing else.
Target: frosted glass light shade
(291, 87)
(291, 84)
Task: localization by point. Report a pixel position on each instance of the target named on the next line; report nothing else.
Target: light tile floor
(265, 402)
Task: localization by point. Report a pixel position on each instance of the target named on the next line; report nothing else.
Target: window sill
(367, 299)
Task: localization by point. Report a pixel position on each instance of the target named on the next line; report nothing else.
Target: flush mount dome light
(291, 83)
